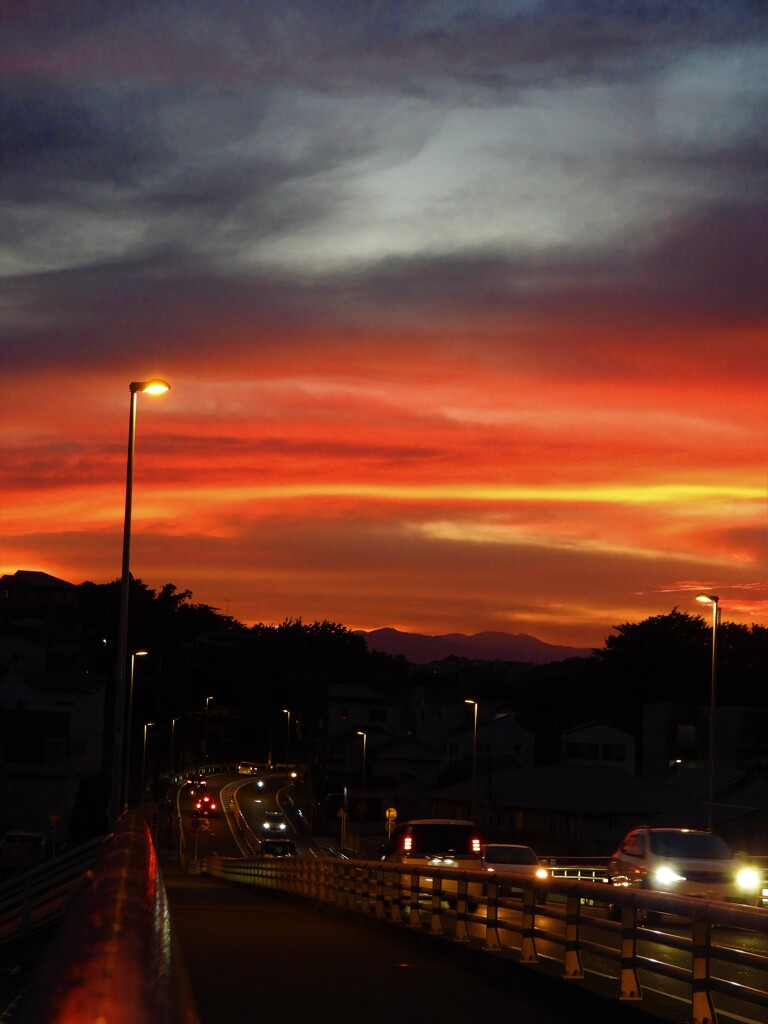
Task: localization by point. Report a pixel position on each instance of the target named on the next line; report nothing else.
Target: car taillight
(407, 843)
(475, 846)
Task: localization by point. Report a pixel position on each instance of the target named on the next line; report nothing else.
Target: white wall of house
(594, 743)
(80, 697)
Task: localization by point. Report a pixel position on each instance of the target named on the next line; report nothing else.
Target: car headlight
(668, 876)
(282, 826)
(542, 873)
(748, 879)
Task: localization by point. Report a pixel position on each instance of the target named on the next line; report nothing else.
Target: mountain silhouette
(421, 649)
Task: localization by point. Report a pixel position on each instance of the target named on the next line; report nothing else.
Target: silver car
(686, 862)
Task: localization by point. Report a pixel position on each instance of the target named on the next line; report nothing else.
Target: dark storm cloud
(53, 141)
(713, 264)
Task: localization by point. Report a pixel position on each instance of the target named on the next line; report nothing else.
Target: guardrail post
(629, 983)
(702, 1005)
(492, 940)
(572, 967)
(435, 920)
(414, 917)
(379, 893)
(528, 954)
(461, 933)
(396, 905)
(364, 889)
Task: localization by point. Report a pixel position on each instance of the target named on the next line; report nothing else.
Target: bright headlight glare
(542, 873)
(668, 876)
(748, 878)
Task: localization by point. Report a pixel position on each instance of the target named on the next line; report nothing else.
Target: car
(246, 768)
(206, 806)
(441, 842)
(274, 821)
(434, 842)
(507, 859)
(278, 848)
(687, 862)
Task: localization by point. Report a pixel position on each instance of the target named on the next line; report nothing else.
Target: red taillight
(475, 846)
(407, 843)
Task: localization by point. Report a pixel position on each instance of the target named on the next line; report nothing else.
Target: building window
(613, 752)
(582, 751)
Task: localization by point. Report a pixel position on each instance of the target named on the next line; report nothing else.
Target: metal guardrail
(113, 957)
(443, 902)
(35, 900)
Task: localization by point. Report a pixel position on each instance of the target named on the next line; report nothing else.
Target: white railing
(614, 957)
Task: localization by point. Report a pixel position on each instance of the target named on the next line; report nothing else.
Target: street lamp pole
(474, 753)
(150, 387)
(365, 738)
(205, 752)
(714, 601)
(286, 711)
(128, 726)
(173, 735)
(144, 761)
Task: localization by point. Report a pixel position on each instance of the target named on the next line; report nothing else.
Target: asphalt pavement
(264, 957)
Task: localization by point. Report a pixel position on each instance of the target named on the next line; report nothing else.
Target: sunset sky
(464, 306)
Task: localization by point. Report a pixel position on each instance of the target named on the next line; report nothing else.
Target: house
(53, 721)
(28, 594)
(579, 810)
(594, 743)
(501, 742)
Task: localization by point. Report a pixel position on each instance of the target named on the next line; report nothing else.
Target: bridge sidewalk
(255, 955)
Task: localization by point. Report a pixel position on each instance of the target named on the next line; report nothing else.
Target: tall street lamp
(713, 600)
(205, 751)
(365, 737)
(144, 761)
(474, 753)
(128, 727)
(173, 735)
(286, 711)
(148, 387)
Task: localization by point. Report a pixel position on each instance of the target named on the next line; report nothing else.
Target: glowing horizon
(464, 318)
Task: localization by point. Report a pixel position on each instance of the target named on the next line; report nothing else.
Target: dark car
(274, 821)
(206, 806)
(434, 843)
(441, 842)
(278, 848)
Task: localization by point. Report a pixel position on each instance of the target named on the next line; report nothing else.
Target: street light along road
(137, 387)
(128, 726)
(365, 738)
(714, 601)
(474, 754)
